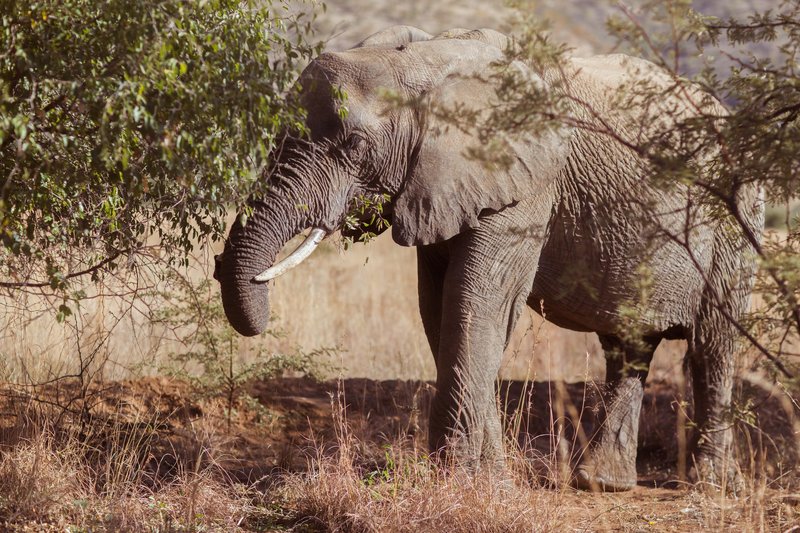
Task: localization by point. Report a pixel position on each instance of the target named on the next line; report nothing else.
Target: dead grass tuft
(40, 481)
(409, 494)
(62, 478)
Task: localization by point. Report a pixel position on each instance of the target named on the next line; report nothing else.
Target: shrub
(129, 123)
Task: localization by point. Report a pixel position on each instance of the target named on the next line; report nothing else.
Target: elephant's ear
(449, 184)
(394, 36)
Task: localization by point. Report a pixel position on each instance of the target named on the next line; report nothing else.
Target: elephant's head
(404, 151)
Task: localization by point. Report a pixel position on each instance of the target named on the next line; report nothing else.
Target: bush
(122, 120)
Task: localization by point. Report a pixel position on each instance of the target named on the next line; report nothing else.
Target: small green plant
(211, 358)
(366, 219)
(382, 474)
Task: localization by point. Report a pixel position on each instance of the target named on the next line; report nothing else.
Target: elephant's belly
(590, 284)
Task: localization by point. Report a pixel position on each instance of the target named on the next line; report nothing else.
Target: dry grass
(410, 496)
(346, 490)
(350, 456)
(63, 481)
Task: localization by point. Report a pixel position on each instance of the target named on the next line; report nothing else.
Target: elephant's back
(631, 99)
(612, 230)
(617, 242)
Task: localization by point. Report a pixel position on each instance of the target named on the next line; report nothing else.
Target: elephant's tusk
(293, 259)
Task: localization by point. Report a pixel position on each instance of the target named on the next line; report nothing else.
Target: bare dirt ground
(299, 426)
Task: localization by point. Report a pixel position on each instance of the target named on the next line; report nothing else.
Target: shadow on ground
(541, 417)
(297, 420)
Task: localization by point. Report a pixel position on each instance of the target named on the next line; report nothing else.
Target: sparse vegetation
(56, 479)
(210, 358)
(352, 459)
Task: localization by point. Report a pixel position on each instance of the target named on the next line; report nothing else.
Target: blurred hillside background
(363, 301)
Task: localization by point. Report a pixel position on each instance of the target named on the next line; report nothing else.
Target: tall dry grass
(60, 475)
(346, 489)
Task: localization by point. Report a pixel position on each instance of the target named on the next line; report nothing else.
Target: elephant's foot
(714, 473)
(610, 464)
(474, 453)
(713, 468)
(607, 471)
(491, 470)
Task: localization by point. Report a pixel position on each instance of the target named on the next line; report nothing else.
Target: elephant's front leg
(486, 284)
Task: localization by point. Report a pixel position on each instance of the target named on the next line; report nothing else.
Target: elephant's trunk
(250, 249)
(307, 189)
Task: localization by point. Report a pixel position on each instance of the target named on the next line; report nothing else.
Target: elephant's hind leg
(610, 460)
(710, 358)
(712, 341)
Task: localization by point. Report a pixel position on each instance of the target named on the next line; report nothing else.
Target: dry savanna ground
(348, 455)
(104, 428)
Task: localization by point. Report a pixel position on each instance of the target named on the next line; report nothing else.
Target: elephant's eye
(355, 144)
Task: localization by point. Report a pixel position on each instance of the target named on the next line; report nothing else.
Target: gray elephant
(491, 239)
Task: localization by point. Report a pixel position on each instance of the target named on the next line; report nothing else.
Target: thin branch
(90, 270)
(755, 25)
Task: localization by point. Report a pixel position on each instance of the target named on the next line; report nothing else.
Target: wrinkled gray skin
(569, 228)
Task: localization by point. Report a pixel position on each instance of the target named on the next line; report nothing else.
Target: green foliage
(121, 120)
(211, 357)
(366, 218)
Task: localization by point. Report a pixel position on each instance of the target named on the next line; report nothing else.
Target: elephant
(491, 239)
